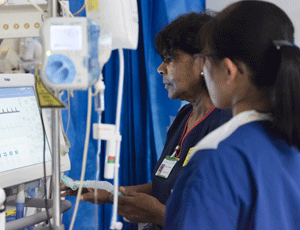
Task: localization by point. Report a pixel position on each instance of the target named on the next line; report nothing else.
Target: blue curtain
(146, 109)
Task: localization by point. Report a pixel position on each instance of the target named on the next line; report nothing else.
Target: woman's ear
(231, 69)
(198, 63)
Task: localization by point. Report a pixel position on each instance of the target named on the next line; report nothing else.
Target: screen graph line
(7, 111)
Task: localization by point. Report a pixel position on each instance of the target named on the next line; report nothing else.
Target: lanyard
(177, 150)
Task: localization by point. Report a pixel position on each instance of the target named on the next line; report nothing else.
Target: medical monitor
(21, 133)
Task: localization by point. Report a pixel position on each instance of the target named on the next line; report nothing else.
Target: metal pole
(53, 8)
(55, 150)
(56, 168)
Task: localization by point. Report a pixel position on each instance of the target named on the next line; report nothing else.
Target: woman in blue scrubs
(182, 74)
(246, 173)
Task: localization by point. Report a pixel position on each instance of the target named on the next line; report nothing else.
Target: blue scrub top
(242, 178)
(162, 187)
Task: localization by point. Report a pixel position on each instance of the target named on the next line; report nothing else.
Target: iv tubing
(36, 6)
(66, 9)
(120, 89)
(69, 112)
(86, 144)
(118, 118)
(79, 11)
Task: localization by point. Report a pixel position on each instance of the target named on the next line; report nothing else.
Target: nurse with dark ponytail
(246, 173)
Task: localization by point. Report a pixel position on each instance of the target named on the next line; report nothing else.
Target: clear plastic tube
(74, 185)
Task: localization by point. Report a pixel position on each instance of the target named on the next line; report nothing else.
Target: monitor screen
(21, 129)
(22, 134)
(65, 37)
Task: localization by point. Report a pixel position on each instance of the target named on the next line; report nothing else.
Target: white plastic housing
(18, 21)
(119, 18)
(108, 132)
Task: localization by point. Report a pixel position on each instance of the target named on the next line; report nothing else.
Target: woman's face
(182, 76)
(215, 78)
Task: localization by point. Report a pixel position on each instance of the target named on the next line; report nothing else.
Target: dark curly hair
(181, 34)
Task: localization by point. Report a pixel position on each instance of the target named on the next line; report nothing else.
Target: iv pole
(55, 150)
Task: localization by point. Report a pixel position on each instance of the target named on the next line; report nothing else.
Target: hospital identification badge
(166, 167)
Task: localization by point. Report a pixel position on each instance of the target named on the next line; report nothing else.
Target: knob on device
(60, 69)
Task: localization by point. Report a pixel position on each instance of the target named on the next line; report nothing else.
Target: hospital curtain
(147, 112)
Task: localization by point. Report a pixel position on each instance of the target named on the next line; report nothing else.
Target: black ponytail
(286, 110)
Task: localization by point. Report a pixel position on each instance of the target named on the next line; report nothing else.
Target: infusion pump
(70, 53)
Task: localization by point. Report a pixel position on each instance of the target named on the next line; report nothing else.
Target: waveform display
(9, 110)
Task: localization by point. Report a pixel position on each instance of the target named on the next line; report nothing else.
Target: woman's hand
(87, 194)
(140, 207)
